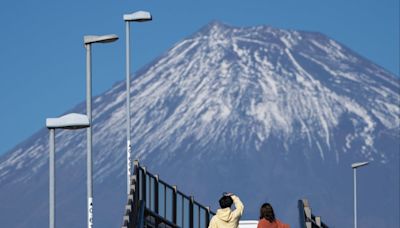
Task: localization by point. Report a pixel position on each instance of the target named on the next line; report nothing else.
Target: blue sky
(42, 58)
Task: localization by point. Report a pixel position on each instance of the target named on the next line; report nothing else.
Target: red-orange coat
(263, 223)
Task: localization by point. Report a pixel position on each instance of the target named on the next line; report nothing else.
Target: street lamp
(139, 16)
(70, 121)
(88, 41)
(354, 166)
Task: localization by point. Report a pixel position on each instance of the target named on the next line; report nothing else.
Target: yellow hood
(225, 214)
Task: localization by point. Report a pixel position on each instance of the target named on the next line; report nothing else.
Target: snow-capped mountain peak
(231, 97)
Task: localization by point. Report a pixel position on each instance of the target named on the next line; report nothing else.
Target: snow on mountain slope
(258, 98)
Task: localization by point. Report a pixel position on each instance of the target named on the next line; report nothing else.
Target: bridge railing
(164, 205)
(307, 219)
(168, 202)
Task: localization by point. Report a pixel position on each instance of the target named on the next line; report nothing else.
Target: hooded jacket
(226, 218)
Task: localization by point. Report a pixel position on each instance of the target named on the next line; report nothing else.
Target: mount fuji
(269, 114)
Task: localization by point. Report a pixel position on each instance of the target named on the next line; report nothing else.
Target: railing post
(174, 202)
(207, 214)
(156, 195)
(318, 221)
(302, 215)
(156, 199)
(183, 212)
(198, 217)
(136, 173)
(165, 201)
(191, 220)
(134, 204)
(144, 174)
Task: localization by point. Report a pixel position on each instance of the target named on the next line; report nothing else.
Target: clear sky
(42, 58)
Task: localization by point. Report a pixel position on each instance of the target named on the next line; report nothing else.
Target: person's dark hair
(267, 212)
(225, 201)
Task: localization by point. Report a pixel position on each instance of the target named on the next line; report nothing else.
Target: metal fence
(307, 219)
(163, 205)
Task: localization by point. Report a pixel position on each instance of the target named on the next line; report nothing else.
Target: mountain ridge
(240, 101)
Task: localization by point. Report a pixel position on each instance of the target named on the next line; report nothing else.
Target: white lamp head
(69, 121)
(358, 164)
(139, 16)
(89, 39)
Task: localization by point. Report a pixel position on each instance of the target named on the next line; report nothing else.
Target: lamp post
(88, 41)
(69, 121)
(354, 166)
(139, 16)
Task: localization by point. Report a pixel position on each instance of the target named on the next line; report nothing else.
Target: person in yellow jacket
(225, 217)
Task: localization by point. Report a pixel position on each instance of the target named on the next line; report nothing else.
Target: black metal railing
(140, 217)
(164, 205)
(168, 202)
(307, 219)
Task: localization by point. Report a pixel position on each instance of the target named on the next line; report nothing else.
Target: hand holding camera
(227, 194)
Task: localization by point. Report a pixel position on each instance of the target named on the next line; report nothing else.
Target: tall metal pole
(355, 196)
(89, 136)
(52, 183)
(128, 113)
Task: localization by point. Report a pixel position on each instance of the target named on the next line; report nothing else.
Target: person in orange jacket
(267, 218)
(225, 217)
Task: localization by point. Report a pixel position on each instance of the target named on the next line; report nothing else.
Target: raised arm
(237, 213)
